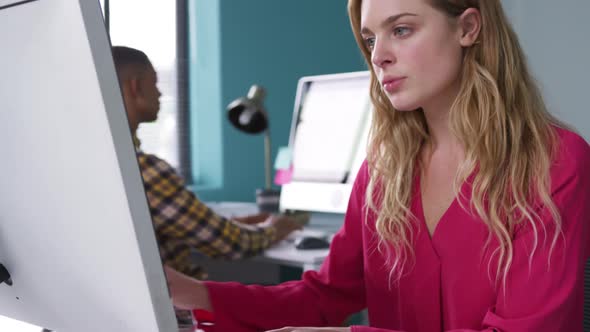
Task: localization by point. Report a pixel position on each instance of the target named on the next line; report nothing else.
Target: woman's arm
(322, 298)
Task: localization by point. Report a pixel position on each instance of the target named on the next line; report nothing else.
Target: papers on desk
(332, 118)
(284, 157)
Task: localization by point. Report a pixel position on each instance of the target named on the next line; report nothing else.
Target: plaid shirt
(183, 223)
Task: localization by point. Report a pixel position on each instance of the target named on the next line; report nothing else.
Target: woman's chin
(404, 107)
(403, 104)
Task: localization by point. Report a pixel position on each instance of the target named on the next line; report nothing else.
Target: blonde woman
(472, 211)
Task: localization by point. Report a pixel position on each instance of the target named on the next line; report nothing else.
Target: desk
(285, 253)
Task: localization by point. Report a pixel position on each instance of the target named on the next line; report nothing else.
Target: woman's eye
(370, 42)
(401, 31)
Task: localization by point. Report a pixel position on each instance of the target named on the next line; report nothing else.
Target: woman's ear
(469, 26)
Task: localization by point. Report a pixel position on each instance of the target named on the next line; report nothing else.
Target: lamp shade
(247, 113)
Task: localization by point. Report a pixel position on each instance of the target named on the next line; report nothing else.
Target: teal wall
(236, 43)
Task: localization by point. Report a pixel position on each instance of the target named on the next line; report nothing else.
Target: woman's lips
(391, 85)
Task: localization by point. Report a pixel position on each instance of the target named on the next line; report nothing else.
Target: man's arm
(183, 221)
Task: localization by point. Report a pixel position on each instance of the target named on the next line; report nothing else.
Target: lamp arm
(267, 159)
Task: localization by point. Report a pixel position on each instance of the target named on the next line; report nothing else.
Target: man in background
(182, 222)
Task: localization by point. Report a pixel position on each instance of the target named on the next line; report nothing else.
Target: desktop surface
(284, 252)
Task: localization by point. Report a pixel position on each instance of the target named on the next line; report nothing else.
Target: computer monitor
(328, 139)
(75, 230)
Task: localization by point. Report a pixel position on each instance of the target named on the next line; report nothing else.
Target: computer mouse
(312, 242)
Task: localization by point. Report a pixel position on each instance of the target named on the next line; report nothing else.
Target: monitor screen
(328, 139)
(75, 230)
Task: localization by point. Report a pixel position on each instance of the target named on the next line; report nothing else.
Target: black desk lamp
(249, 115)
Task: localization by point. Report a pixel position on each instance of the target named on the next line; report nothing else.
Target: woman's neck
(442, 141)
(437, 114)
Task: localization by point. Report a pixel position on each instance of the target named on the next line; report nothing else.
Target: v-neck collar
(422, 215)
(446, 217)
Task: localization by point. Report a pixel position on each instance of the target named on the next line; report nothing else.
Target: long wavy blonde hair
(502, 123)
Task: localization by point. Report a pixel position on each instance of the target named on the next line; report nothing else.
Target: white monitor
(75, 229)
(328, 139)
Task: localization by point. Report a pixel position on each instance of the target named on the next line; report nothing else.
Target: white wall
(556, 38)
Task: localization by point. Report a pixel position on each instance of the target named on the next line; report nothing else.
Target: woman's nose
(382, 54)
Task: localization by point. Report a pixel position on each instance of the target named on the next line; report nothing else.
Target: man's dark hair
(125, 57)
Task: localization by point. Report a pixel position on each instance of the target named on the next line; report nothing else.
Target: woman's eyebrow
(388, 21)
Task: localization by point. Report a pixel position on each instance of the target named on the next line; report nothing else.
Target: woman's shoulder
(572, 155)
(363, 176)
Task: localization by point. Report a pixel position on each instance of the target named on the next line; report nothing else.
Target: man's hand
(187, 293)
(284, 226)
(253, 219)
(312, 329)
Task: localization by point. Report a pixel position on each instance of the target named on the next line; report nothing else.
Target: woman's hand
(312, 329)
(187, 293)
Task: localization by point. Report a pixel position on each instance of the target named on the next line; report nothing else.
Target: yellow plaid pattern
(182, 222)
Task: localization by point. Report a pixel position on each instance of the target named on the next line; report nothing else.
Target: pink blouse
(450, 286)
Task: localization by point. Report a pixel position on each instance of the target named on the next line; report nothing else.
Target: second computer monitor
(328, 141)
